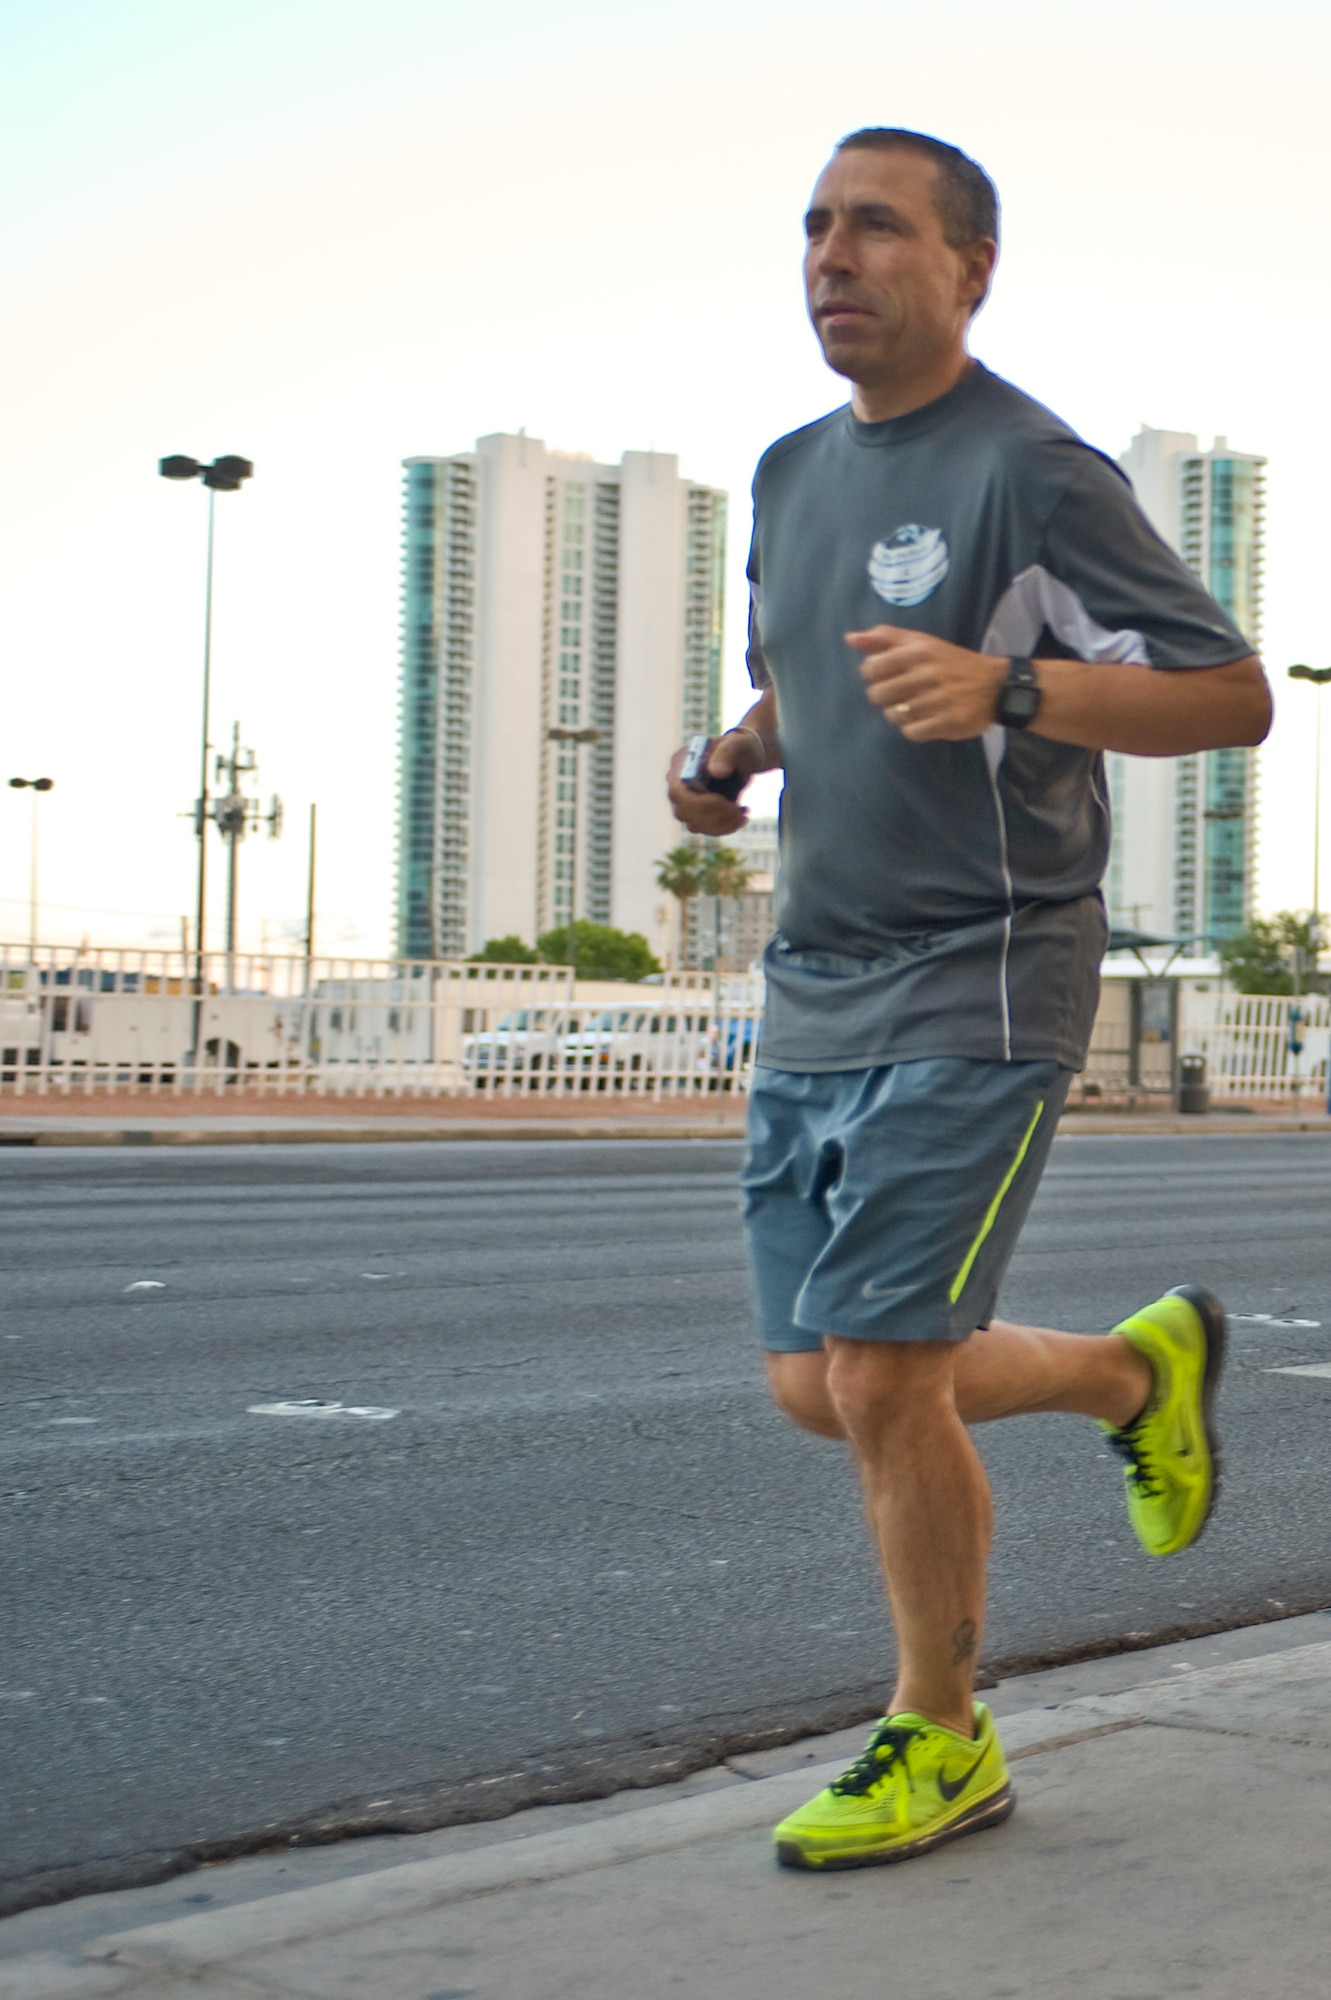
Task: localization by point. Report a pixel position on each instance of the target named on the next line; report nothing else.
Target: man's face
(887, 294)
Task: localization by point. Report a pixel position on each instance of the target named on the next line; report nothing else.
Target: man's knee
(798, 1383)
(875, 1385)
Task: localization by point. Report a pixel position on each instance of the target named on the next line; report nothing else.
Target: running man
(957, 607)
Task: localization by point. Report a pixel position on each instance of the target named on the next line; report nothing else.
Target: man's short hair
(964, 195)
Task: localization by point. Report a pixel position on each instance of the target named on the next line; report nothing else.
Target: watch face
(1020, 704)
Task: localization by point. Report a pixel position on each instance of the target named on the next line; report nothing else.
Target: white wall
(1144, 832)
(649, 682)
(506, 740)
(1154, 464)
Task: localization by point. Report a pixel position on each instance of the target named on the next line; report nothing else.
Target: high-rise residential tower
(542, 590)
(1185, 828)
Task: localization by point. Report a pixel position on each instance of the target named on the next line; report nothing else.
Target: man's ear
(981, 258)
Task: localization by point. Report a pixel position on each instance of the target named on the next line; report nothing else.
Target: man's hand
(710, 812)
(930, 691)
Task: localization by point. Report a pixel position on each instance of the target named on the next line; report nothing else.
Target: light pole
(577, 737)
(36, 785)
(1319, 676)
(224, 475)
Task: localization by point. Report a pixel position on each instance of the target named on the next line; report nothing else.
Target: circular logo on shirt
(909, 565)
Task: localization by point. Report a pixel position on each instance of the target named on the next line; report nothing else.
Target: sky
(327, 237)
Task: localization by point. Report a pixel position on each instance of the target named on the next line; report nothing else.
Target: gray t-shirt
(942, 899)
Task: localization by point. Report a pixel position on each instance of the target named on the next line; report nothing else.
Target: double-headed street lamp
(1319, 676)
(224, 475)
(577, 737)
(35, 785)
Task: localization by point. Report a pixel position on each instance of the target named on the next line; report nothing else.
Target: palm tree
(691, 870)
(724, 873)
(680, 874)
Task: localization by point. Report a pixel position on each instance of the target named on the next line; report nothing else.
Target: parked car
(634, 1041)
(528, 1040)
(549, 1047)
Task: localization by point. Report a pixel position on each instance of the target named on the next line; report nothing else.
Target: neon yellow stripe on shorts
(991, 1214)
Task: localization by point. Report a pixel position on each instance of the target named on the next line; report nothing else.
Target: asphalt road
(584, 1551)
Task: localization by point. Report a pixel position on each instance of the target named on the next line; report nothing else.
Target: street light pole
(201, 804)
(37, 786)
(577, 737)
(224, 475)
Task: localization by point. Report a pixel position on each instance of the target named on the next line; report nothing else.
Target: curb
(1073, 1125)
(1212, 1699)
(341, 1135)
(1267, 1698)
(1208, 1125)
(749, 1805)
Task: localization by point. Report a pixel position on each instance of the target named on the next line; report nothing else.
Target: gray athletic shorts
(884, 1204)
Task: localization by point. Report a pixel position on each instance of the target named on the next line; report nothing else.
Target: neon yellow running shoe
(916, 1785)
(1173, 1470)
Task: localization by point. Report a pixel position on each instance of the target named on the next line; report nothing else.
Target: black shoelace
(1127, 1443)
(886, 1747)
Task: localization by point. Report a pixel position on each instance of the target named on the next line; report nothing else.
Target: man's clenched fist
(931, 692)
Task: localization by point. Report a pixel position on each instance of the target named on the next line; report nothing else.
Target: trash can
(1194, 1092)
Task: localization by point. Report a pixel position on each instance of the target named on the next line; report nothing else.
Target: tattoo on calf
(963, 1641)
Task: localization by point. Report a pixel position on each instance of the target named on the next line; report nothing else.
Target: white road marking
(1269, 1319)
(73, 1420)
(147, 1285)
(1320, 1369)
(383, 1274)
(312, 1406)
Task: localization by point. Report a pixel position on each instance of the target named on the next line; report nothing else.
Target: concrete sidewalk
(1171, 1838)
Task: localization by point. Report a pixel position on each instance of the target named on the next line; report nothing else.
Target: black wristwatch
(1020, 696)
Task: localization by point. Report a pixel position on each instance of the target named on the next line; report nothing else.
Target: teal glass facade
(434, 706)
(1222, 523)
(1234, 575)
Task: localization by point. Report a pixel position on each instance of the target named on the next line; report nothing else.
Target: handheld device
(694, 773)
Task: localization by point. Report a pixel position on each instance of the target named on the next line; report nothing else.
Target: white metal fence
(1257, 1049)
(1259, 1046)
(94, 1022)
(88, 1023)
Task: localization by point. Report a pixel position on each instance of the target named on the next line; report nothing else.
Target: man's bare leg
(1004, 1370)
(929, 1508)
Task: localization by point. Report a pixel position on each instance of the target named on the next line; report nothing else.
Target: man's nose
(834, 254)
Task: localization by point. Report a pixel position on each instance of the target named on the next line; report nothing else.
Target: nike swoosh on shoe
(954, 1791)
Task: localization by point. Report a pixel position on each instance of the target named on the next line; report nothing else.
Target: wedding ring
(901, 713)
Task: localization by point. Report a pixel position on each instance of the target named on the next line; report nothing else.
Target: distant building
(1185, 828)
(729, 933)
(540, 590)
